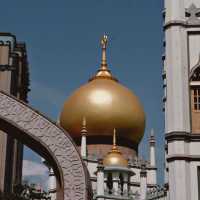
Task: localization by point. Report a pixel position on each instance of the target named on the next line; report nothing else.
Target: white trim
(193, 83)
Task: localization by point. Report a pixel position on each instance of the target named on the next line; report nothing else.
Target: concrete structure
(14, 79)
(181, 100)
(50, 141)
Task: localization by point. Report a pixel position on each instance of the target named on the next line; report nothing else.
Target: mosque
(105, 122)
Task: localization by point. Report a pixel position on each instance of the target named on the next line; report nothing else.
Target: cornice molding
(183, 136)
(182, 23)
(187, 158)
(7, 67)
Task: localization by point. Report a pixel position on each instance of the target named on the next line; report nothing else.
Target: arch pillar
(51, 142)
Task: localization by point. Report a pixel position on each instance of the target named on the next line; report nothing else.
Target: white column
(177, 116)
(178, 101)
(115, 179)
(143, 183)
(100, 181)
(166, 179)
(125, 186)
(105, 181)
(52, 184)
(83, 140)
(152, 155)
(152, 158)
(83, 146)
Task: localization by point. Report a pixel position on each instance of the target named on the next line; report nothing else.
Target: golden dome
(106, 105)
(115, 157)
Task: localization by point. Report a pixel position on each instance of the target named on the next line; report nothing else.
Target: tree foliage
(25, 192)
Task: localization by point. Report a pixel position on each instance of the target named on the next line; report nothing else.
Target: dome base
(99, 146)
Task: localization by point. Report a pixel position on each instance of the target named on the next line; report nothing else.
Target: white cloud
(31, 168)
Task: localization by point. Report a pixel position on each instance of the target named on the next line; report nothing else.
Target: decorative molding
(6, 68)
(193, 20)
(143, 172)
(180, 23)
(151, 168)
(192, 13)
(119, 169)
(157, 193)
(187, 158)
(195, 72)
(48, 140)
(100, 166)
(183, 136)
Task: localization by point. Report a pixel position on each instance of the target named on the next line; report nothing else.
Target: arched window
(195, 97)
(110, 183)
(121, 183)
(195, 92)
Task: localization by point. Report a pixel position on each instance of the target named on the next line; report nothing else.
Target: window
(195, 109)
(110, 183)
(198, 176)
(196, 99)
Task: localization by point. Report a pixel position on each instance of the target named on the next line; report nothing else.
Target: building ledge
(187, 158)
(183, 136)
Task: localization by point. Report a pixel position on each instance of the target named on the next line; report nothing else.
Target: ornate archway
(51, 142)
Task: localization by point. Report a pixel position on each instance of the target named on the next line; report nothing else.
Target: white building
(181, 101)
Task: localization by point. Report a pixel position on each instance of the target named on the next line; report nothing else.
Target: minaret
(115, 174)
(152, 159)
(152, 155)
(83, 139)
(51, 181)
(52, 184)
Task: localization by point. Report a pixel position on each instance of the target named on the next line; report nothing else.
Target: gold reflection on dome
(101, 97)
(114, 157)
(106, 104)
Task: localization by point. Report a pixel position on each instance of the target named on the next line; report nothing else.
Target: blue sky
(62, 40)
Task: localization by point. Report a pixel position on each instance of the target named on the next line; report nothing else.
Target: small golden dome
(106, 105)
(115, 157)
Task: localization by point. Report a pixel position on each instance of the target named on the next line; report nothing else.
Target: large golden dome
(106, 104)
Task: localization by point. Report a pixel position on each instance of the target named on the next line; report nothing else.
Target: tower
(181, 99)
(152, 159)
(14, 80)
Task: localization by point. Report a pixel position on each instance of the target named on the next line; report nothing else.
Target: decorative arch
(195, 72)
(50, 141)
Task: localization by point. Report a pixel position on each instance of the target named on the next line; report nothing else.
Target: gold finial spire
(114, 140)
(103, 71)
(115, 157)
(114, 137)
(84, 129)
(104, 42)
